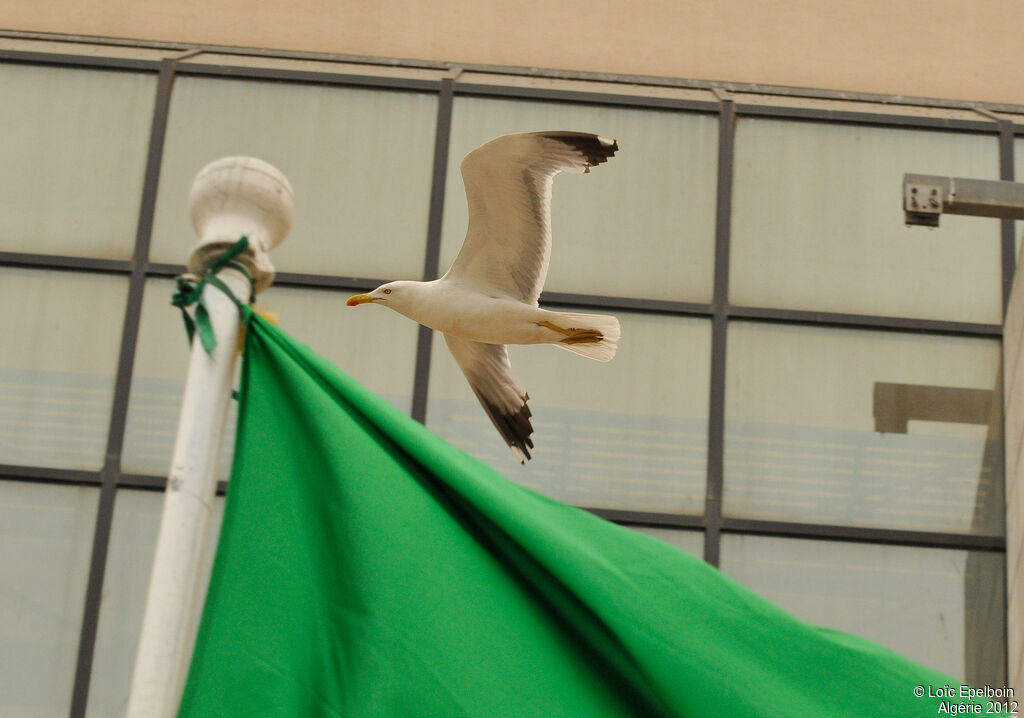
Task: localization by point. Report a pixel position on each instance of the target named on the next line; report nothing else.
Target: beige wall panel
(1013, 354)
(939, 48)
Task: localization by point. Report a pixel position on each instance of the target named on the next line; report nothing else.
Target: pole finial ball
(236, 196)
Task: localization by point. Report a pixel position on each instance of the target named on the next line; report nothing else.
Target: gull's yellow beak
(358, 299)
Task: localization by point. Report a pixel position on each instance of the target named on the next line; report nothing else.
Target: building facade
(808, 394)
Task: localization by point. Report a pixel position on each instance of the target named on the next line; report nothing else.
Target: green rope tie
(190, 292)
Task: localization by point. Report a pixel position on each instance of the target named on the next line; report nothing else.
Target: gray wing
(508, 188)
(489, 373)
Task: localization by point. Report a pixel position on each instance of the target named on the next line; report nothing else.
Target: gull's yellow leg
(573, 335)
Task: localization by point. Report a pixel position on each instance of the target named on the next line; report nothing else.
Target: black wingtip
(515, 427)
(596, 148)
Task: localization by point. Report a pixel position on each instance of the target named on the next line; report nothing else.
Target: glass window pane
(931, 605)
(125, 584)
(318, 317)
(373, 345)
(863, 428)
(690, 541)
(641, 226)
(359, 160)
(46, 534)
(61, 337)
(818, 223)
(630, 434)
(75, 144)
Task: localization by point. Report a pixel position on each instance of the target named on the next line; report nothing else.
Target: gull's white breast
(462, 311)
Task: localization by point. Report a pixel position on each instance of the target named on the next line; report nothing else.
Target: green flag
(367, 568)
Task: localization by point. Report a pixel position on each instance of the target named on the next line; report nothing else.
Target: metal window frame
(729, 108)
(122, 388)
(432, 255)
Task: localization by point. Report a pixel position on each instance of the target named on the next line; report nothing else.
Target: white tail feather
(608, 325)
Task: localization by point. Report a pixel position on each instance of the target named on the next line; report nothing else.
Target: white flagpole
(230, 198)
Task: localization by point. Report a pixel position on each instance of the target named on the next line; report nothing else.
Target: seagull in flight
(488, 299)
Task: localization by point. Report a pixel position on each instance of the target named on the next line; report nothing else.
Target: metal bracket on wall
(927, 197)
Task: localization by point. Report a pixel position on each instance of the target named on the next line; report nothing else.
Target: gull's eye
(387, 291)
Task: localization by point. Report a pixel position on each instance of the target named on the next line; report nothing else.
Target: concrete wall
(930, 48)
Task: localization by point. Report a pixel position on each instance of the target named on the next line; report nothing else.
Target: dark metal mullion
(432, 256)
(654, 81)
(256, 73)
(81, 61)
(658, 306)
(308, 76)
(865, 118)
(161, 269)
(48, 475)
(867, 321)
(147, 482)
(653, 519)
(635, 304)
(901, 537)
(719, 329)
(122, 388)
(142, 481)
(555, 94)
(285, 279)
(55, 261)
(781, 529)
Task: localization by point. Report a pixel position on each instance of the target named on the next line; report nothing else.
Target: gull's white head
(393, 294)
